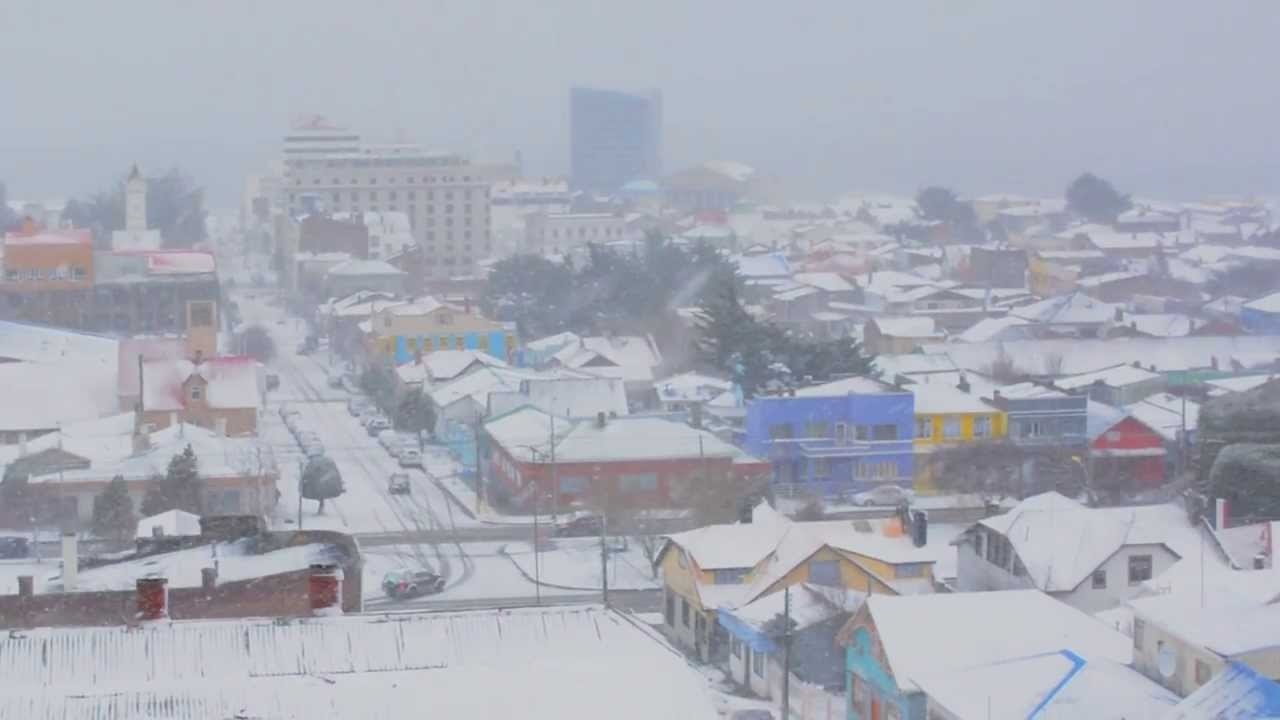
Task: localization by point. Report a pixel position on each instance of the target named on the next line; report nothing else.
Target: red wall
(1132, 434)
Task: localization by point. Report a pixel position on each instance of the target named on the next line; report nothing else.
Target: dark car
(14, 547)
(405, 584)
(583, 526)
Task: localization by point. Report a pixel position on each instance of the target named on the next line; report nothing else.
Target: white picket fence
(808, 702)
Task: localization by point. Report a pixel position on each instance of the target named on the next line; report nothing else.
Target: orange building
(61, 260)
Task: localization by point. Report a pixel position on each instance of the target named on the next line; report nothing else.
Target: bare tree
(1053, 363)
(1003, 368)
(719, 497)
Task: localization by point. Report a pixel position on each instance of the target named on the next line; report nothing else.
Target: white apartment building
(445, 197)
(561, 232)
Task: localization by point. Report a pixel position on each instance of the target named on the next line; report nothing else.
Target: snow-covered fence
(808, 701)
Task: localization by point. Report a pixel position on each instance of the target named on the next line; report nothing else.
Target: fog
(1166, 98)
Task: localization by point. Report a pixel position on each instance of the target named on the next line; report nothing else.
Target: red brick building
(635, 462)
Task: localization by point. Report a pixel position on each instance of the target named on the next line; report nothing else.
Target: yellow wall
(852, 577)
(680, 574)
(999, 428)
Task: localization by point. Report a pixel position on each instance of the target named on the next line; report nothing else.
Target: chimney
(26, 586)
(324, 590)
(208, 578)
(1213, 362)
(601, 419)
(919, 528)
(695, 415)
(1259, 562)
(153, 598)
(1119, 314)
(199, 358)
(963, 385)
(70, 561)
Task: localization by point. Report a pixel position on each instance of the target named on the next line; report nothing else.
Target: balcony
(829, 448)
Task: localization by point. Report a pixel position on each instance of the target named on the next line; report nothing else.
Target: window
(573, 484)
(1139, 569)
(911, 570)
(951, 428)
(780, 432)
(731, 576)
(884, 432)
(197, 391)
(735, 647)
(824, 572)
(669, 609)
(1099, 579)
(982, 427)
(1138, 627)
(924, 428)
(1203, 673)
(842, 433)
(861, 433)
(638, 482)
(684, 612)
(822, 467)
(816, 429)
(1031, 428)
(757, 664)
(858, 694)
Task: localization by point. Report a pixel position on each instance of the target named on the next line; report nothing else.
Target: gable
(864, 651)
(46, 461)
(1129, 433)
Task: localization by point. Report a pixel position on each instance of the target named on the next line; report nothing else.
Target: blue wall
(1259, 322)
(860, 661)
(791, 461)
(471, 341)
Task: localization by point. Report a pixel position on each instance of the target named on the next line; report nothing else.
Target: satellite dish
(1166, 661)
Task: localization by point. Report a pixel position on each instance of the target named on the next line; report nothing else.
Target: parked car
(404, 584)
(335, 380)
(306, 437)
(14, 548)
(398, 483)
(883, 495)
(410, 457)
(582, 526)
(376, 425)
(358, 406)
(390, 441)
(313, 450)
(273, 381)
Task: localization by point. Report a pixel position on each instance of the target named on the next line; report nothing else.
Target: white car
(410, 457)
(883, 495)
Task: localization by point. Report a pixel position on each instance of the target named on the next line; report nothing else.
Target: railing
(831, 448)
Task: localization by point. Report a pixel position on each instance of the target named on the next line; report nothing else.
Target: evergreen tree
(113, 515)
(321, 481)
(415, 413)
(180, 488)
(725, 328)
(1095, 199)
(155, 500)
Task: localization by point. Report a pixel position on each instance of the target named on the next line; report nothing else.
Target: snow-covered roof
(357, 267)
(1160, 324)
(565, 663)
(1028, 390)
(826, 281)
(1267, 304)
(857, 385)
(1094, 281)
(1236, 693)
(1061, 542)
(1048, 685)
(1116, 376)
(630, 357)
(45, 395)
(913, 364)
(763, 265)
(940, 399)
(731, 169)
(1227, 630)
(981, 628)
(180, 262)
(1243, 383)
(171, 523)
(810, 604)
(1163, 412)
(443, 365)
(909, 327)
(990, 328)
(690, 387)
(1071, 309)
(232, 382)
(1080, 355)
(477, 385)
(734, 546)
(44, 344)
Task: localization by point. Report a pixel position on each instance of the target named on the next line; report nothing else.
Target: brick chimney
(208, 578)
(26, 586)
(324, 590)
(153, 599)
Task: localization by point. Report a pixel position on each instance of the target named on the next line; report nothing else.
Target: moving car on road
(582, 526)
(884, 495)
(405, 584)
(410, 457)
(398, 483)
(376, 425)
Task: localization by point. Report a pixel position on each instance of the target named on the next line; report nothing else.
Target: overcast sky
(1172, 97)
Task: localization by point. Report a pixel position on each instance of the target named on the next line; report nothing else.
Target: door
(875, 709)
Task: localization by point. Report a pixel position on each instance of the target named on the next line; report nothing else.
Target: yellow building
(721, 567)
(947, 416)
(397, 333)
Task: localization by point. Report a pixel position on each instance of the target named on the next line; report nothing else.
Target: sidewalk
(575, 565)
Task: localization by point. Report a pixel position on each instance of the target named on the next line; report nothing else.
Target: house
(400, 332)
(571, 663)
(1183, 646)
(634, 359)
(567, 397)
(1089, 558)
(531, 457)
(71, 467)
(900, 334)
(946, 416)
(1262, 316)
(356, 274)
(995, 266)
(1236, 693)
(996, 329)
(1056, 272)
(1046, 685)
(1114, 385)
(1074, 314)
(53, 377)
(682, 392)
(221, 393)
(1125, 453)
(1041, 417)
(843, 436)
(1174, 417)
(755, 658)
(442, 366)
(893, 644)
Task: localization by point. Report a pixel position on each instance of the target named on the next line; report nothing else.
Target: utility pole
(604, 555)
(537, 569)
(301, 466)
(786, 653)
(555, 479)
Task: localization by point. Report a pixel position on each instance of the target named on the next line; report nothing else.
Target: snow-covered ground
(575, 563)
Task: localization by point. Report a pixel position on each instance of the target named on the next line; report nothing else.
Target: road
(630, 600)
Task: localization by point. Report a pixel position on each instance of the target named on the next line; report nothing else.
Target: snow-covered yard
(478, 570)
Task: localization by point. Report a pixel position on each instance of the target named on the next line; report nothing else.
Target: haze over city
(1167, 99)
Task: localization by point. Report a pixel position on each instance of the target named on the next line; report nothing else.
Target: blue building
(1262, 316)
(843, 436)
(614, 138)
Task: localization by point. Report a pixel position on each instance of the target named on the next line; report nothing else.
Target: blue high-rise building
(614, 138)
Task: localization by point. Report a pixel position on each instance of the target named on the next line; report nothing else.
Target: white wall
(1091, 600)
(975, 574)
